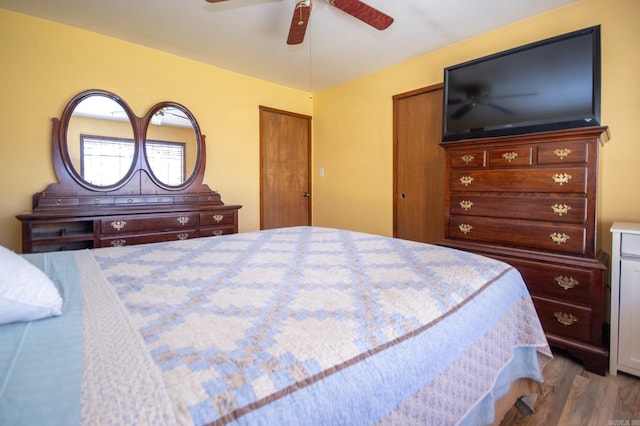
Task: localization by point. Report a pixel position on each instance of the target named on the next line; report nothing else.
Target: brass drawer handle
(467, 158)
(118, 243)
(560, 209)
(561, 178)
(565, 319)
(218, 217)
(510, 156)
(559, 238)
(562, 153)
(466, 205)
(118, 225)
(183, 236)
(183, 220)
(217, 232)
(566, 282)
(465, 228)
(466, 180)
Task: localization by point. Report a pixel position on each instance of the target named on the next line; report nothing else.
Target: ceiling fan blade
(214, 1)
(500, 108)
(463, 110)
(364, 12)
(299, 22)
(455, 101)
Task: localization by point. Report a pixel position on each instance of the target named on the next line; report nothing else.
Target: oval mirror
(100, 141)
(171, 144)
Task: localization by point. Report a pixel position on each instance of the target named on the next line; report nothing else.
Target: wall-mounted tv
(547, 85)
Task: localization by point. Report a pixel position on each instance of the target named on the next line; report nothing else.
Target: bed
(301, 325)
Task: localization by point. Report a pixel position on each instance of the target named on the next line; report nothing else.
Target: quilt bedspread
(246, 326)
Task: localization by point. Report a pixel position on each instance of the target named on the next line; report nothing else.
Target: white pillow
(26, 293)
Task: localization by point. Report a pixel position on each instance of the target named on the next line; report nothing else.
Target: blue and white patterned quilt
(311, 325)
(295, 326)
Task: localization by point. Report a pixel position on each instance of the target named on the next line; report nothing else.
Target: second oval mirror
(171, 143)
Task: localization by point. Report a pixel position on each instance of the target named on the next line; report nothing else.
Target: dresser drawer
(558, 180)
(159, 199)
(563, 319)
(135, 224)
(510, 157)
(564, 238)
(129, 200)
(550, 209)
(564, 152)
(97, 201)
(467, 159)
(212, 198)
(128, 240)
(630, 245)
(216, 231)
(218, 218)
(58, 202)
(560, 282)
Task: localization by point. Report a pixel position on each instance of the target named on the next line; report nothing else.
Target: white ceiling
(249, 36)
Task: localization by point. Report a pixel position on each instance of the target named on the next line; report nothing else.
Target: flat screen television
(548, 85)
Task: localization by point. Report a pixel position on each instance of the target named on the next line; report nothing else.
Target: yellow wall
(353, 123)
(44, 64)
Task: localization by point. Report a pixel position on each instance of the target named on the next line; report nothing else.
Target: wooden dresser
(530, 200)
(122, 188)
(71, 229)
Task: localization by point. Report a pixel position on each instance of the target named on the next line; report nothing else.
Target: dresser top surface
(626, 227)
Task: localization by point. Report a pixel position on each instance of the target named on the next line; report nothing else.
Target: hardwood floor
(572, 396)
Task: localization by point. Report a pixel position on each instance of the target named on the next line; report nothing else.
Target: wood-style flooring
(573, 396)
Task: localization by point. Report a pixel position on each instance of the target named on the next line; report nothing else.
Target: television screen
(548, 85)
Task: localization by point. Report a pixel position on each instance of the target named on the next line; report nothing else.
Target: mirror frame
(139, 187)
(63, 142)
(199, 146)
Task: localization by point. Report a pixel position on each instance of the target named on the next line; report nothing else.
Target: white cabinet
(625, 298)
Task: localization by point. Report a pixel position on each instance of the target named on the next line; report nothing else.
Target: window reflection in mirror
(105, 160)
(170, 145)
(95, 135)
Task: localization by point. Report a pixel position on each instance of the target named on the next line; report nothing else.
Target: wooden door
(285, 163)
(419, 166)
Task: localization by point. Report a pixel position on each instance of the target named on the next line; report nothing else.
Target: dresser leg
(596, 363)
(594, 358)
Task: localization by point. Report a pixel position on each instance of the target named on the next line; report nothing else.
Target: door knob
(306, 194)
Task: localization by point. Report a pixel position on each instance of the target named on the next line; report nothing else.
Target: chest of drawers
(530, 200)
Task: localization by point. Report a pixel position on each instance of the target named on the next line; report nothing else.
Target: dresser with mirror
(124, 179)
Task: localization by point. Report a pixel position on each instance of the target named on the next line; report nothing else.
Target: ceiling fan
(355, 8)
